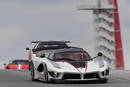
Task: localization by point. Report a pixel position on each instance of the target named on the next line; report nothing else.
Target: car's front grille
(90, 75)
(80, 76)
(71, 76)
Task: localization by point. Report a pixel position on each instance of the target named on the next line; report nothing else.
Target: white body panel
(66, 67)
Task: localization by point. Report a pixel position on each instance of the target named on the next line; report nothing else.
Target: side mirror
(42, 55)
(100, 54)
(27, 48)
(4, 64)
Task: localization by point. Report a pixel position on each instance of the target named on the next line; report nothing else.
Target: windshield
(19, 62)
(72, 56)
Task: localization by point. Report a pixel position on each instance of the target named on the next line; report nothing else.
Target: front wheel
(45, 74)
(104, 80)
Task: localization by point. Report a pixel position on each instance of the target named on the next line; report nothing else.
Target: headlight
(101, 63)
(55, 64)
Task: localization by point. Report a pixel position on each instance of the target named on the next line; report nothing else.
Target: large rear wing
(50, 41)
(49, 45)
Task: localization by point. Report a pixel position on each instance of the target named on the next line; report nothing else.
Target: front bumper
(78, 76)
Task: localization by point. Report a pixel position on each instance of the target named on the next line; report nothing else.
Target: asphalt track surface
(10, 78)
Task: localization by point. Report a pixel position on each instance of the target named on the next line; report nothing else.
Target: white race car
(67, 64)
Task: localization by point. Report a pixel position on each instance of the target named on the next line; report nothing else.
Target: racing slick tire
(45, 73)
(104, 80)
(32, 72)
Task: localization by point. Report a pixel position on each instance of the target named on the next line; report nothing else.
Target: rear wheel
(32, 72)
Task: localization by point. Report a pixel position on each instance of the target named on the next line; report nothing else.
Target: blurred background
(23, 21)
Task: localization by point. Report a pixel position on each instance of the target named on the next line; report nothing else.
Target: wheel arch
(41, 67)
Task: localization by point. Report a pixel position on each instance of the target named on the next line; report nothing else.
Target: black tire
(103, 80)
(45, 71)
(32, 72)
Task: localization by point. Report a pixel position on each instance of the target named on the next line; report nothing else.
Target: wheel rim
(45, 74)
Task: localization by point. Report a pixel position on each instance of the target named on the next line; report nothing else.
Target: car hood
(78, 66)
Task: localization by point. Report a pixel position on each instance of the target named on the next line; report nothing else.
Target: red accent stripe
(118, 41)
(86, 66)
(73, 66)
